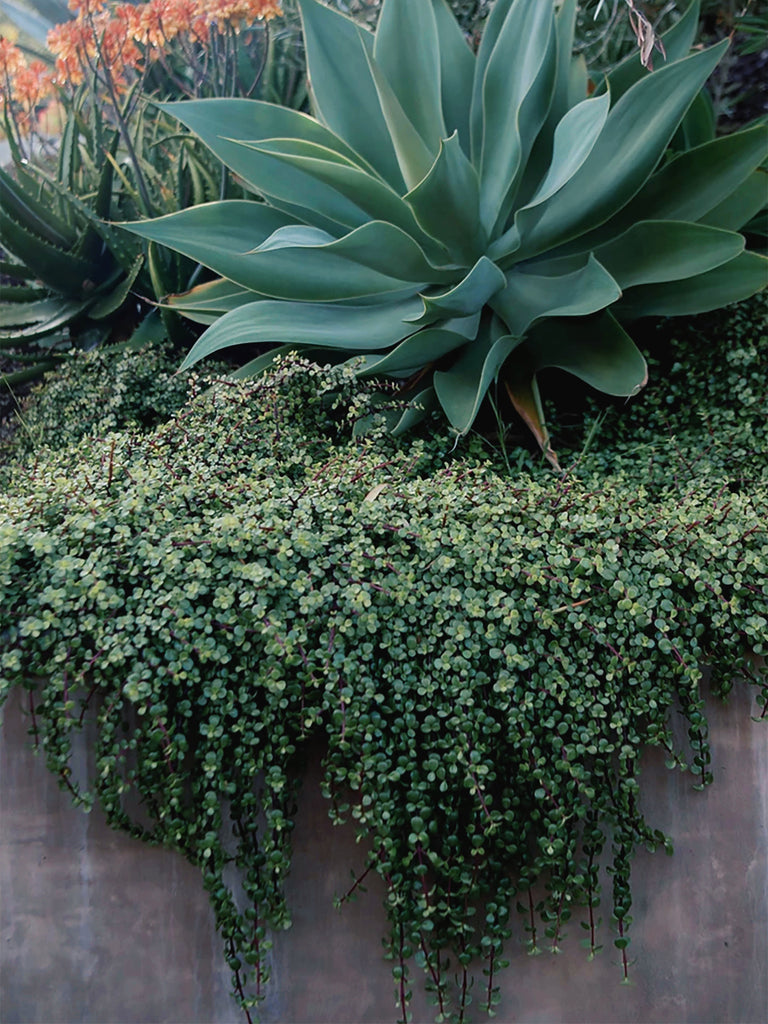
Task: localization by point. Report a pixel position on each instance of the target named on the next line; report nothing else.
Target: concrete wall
(96, 928)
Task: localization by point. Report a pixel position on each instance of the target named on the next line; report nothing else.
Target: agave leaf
(223, 129)
(687, 188)
(300, 266)
(468, 297)
(283, 182)
(529, 297)
(698, 125)
(565, 32)
(446, 204)
(414, 156)
(741, 277)
(206, 302)
(491, 31)
(421, 349)
(457, 70)
(338, 52)
(370, 194)
(541, 154)
(406, 51)
(574, 139)
(654, 251)
(595, 349)
(742, 205)
(621, 160)
(360, 328)
(677, 42)
(515, 106)
(463, 387)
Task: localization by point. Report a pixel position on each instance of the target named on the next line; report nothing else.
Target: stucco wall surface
(96, 928)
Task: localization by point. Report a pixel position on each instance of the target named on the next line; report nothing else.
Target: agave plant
(458, 219)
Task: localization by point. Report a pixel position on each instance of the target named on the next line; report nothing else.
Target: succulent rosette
(459, 219)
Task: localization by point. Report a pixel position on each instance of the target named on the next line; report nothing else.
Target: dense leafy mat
(485, 655)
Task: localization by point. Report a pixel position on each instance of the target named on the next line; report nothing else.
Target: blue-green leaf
(370, 194)
(417, 351)
(529, 297)
(414, 155)
(357, 328)
(406, 51)
(596, 349)
(303, 265)
(666, 250)
(732, 282)
(446, 204)
(337, 54)
(462, 388)
(575, 137)
(515, 103)
(742, 205)
(491, 30)
(688, 187)
(457, 70)
(636, 133)
(468, 297)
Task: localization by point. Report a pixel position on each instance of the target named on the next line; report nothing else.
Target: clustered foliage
(97, 392)
(484, 658)
(464, 220)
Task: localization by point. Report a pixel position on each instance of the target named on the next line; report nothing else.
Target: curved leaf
(369, 194)
(226, 126)
(337, 54)
(414, 154)
(462, 388)
(515, 105)
(636, 132)
(595, 349)
(446, 204)
(666, 250)
(417, 351)
(356, 328)
(457, 70)
(228, 236)
(575, 137)
(688, 187)
(491, 30)
(742, 205)
(529, 297)
(732, 282)
(467, 297)
(406, 51)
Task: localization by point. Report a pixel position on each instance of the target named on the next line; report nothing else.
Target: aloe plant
(459, 219)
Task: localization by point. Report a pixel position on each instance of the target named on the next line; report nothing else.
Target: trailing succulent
(482, 659)
(460, 221)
